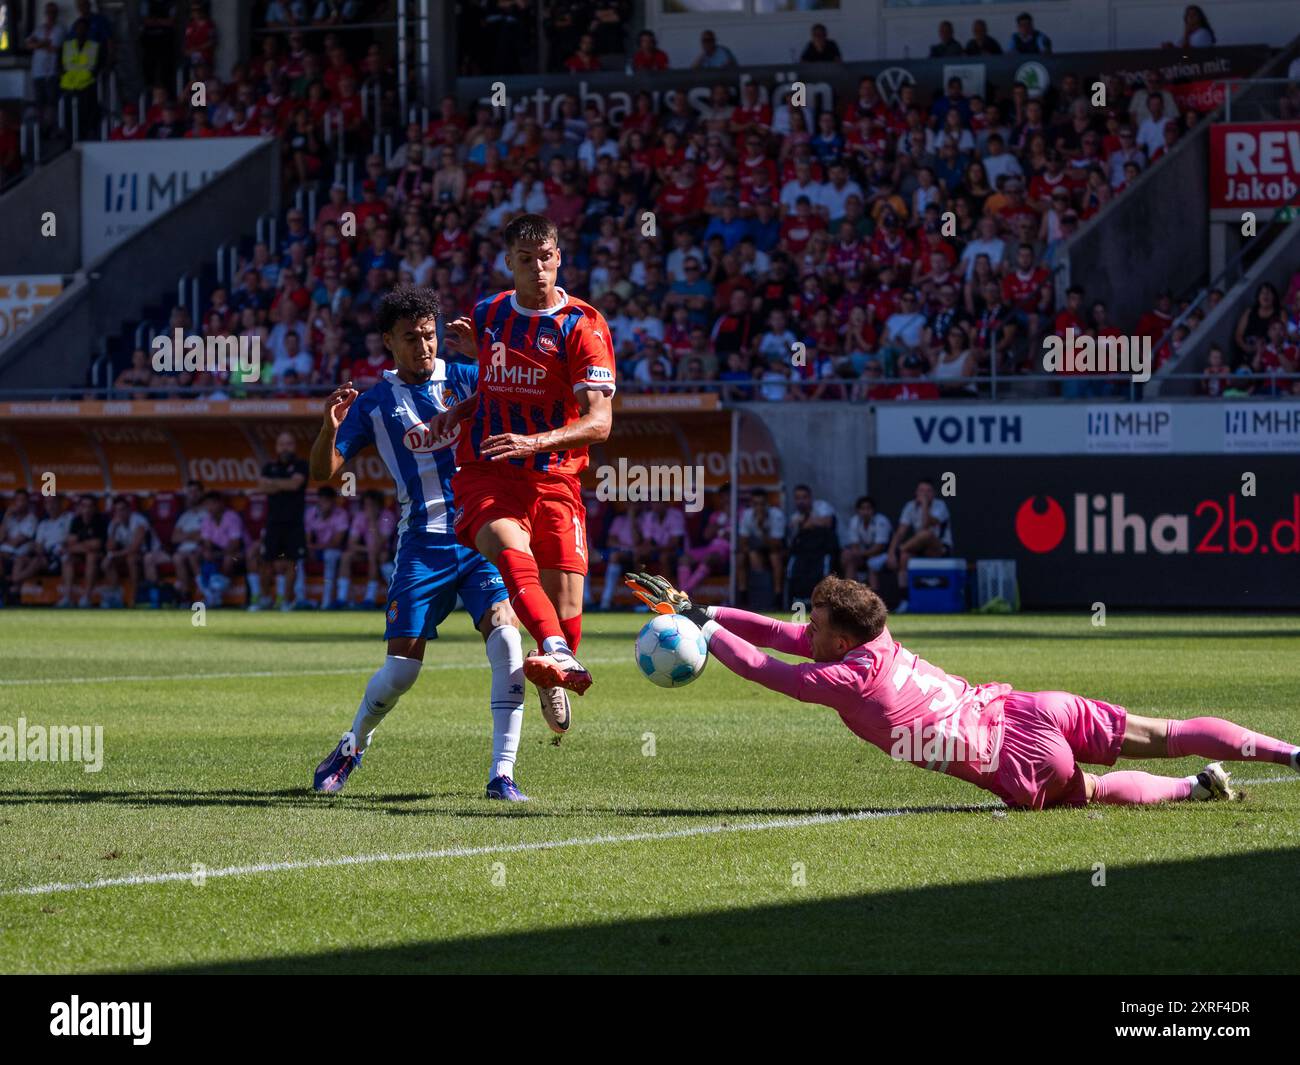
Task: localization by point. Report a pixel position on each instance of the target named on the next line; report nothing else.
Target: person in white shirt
(999, 162)
(987, 242)
(777, 341)
(802, 184)
(187, 539)
(684, 250)
(46, 45)
(17, 539)
(866, 543)
(130, 544)
(1151, 133)
(761, 543)
(43, 552)
(924, 531)
(598, 143)
(835, 195)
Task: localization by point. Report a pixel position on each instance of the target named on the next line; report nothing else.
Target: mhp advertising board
(1147, 531)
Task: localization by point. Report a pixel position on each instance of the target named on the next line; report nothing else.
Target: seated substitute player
(432, 569)
(1024, 747)
(369, 538)
(545, 392)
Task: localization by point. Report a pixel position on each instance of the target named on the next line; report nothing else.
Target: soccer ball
(671, 651)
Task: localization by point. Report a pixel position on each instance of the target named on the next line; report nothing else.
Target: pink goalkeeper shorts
(1045, 736)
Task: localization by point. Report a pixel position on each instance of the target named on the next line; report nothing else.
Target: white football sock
(556, 645)
(505, 651)
(388, 683)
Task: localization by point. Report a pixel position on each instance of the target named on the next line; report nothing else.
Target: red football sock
(530, 602)
(1130, 787)
(1217, 739)
(572, 628)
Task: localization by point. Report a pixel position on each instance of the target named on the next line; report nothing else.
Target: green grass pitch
(785, 843)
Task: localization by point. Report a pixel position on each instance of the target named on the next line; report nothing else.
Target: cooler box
(936, 585)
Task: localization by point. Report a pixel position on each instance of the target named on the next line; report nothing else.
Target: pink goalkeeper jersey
(910, 709)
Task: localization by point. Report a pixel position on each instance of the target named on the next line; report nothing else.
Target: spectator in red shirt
(648, 56)
(585, 58)
(130, 128)
(1156, 322)
(200, 37)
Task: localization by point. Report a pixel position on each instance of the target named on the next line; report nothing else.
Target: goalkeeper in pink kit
(1024, 747)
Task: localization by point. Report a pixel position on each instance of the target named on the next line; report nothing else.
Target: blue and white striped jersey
(394, 417)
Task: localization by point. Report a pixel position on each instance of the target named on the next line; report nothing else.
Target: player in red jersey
(545, 392)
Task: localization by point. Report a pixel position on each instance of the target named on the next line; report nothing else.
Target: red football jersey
(531, 366)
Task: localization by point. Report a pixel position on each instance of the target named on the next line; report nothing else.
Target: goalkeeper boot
(1212, 783)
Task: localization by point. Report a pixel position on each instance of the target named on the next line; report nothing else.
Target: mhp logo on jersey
(548, 341)
(419, 439)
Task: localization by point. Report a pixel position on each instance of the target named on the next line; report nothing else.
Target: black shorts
(284, 541)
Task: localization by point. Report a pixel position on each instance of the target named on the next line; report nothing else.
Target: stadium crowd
(196, 546)
(886, 248)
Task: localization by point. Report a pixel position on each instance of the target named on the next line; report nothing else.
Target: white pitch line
(518, 848)
(502, 848)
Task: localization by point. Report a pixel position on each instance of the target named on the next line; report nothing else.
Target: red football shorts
(547, 506)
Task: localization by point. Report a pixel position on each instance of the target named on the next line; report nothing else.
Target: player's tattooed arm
(325, 460)
(592, 427)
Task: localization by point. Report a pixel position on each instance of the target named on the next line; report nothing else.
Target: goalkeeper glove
(663, 598)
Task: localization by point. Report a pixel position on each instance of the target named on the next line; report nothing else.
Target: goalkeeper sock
(1220, 740)
(1130, 787)
(388, 684)
(505, 651)
(532, 606)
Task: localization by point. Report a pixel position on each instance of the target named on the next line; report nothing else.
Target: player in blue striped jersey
(430, 568)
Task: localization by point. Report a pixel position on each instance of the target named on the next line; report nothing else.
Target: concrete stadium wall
(814, 439)
(1157, 235)
(54, 187)
(56, 350)
(1276, 265)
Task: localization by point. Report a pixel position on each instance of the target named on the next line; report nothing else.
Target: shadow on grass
(450, 804)
(1210, 915)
